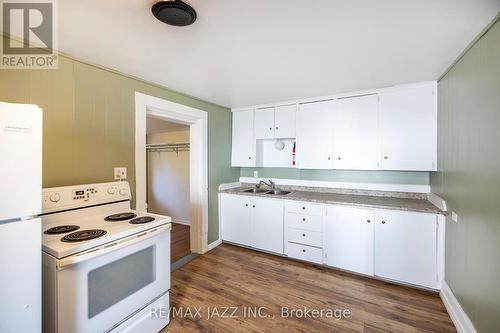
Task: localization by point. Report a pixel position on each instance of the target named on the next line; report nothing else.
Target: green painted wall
(374, 177)
(469, 178)
(89, 125)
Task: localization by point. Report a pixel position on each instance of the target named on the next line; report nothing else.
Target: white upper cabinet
(408, 128)
(349, 234)
(243, 142)
(354, 129)
(278, 122)
(406, 247)
(264, 123)
(315, 135)
(385, 129)
(284, 121)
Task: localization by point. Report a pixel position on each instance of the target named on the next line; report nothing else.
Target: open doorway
(150, 107)
(167, 145)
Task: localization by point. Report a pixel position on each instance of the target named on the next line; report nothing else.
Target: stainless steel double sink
(264, 191)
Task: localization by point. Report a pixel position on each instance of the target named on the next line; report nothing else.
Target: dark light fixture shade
(174, 12)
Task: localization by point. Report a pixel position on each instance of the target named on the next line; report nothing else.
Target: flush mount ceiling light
(174, 12)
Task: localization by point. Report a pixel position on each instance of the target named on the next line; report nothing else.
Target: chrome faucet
(271, 184)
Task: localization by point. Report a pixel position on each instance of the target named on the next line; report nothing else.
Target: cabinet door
(267, 224)
(408, 129)
(284, 121)
(264, 123)
(349, 238)
(243, 142)
(406, 247)
(314, 135)
(355, 133)
(235, 214)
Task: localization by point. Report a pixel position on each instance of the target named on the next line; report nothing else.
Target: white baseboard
(462, 322)
(346, 185)
(214, 244)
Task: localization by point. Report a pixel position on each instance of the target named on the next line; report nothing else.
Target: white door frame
(145, 106)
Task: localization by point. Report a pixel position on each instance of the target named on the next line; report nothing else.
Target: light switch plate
(120, 173)
(255, 174)
(454, 217)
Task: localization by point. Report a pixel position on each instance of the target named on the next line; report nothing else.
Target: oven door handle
(110, 247)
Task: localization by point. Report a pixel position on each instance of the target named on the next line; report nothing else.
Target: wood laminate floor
(179, 241)
(229, 284)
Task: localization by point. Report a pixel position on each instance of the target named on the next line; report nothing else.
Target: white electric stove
(106, 268)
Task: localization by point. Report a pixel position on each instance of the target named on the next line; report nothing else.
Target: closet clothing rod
(167, 147)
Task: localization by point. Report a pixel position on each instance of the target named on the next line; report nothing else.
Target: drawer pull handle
(303, 250)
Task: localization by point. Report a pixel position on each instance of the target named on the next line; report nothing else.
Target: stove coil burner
(120, 217)
(142, 219)
(83, 235)
(61, 229)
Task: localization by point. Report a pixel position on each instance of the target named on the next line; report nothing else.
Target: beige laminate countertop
(368, 201)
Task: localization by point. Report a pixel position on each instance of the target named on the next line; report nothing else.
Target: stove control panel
(71, 197)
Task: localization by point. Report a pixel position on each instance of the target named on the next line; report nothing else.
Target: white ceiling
(242, 52)
(155, 125)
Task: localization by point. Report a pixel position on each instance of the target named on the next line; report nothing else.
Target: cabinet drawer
(304, 208)
(304, 222)
(307, 237)
(304, 252)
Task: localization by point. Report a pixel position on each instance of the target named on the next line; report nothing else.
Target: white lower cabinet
(397, 245)
(235, 218)
(252, 221)
(266, 225)
(304, 231)
(349, 234)
(406, 247)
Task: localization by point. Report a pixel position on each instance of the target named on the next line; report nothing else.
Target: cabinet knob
(383, 222)
(368, 221)
(304, 219)
(270, 128)
(246, 205)
(277, 127)
(386, 157)
(249, 157)
(303, 207)
(253, 206)
(339, 158)
(329, 158)
(303, 250)
(303, 235)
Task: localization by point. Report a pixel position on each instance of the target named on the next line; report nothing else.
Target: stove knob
(55, 197)
(112, 190)
(123, 191)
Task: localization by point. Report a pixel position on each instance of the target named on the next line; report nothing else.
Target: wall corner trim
(462, 322)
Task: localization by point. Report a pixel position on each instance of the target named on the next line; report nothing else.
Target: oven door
(98, 289)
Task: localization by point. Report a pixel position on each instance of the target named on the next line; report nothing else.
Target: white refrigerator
(20, 229)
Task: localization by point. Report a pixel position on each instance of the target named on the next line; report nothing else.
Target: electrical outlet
(454, 217)
(255, 174)
(120, 173)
